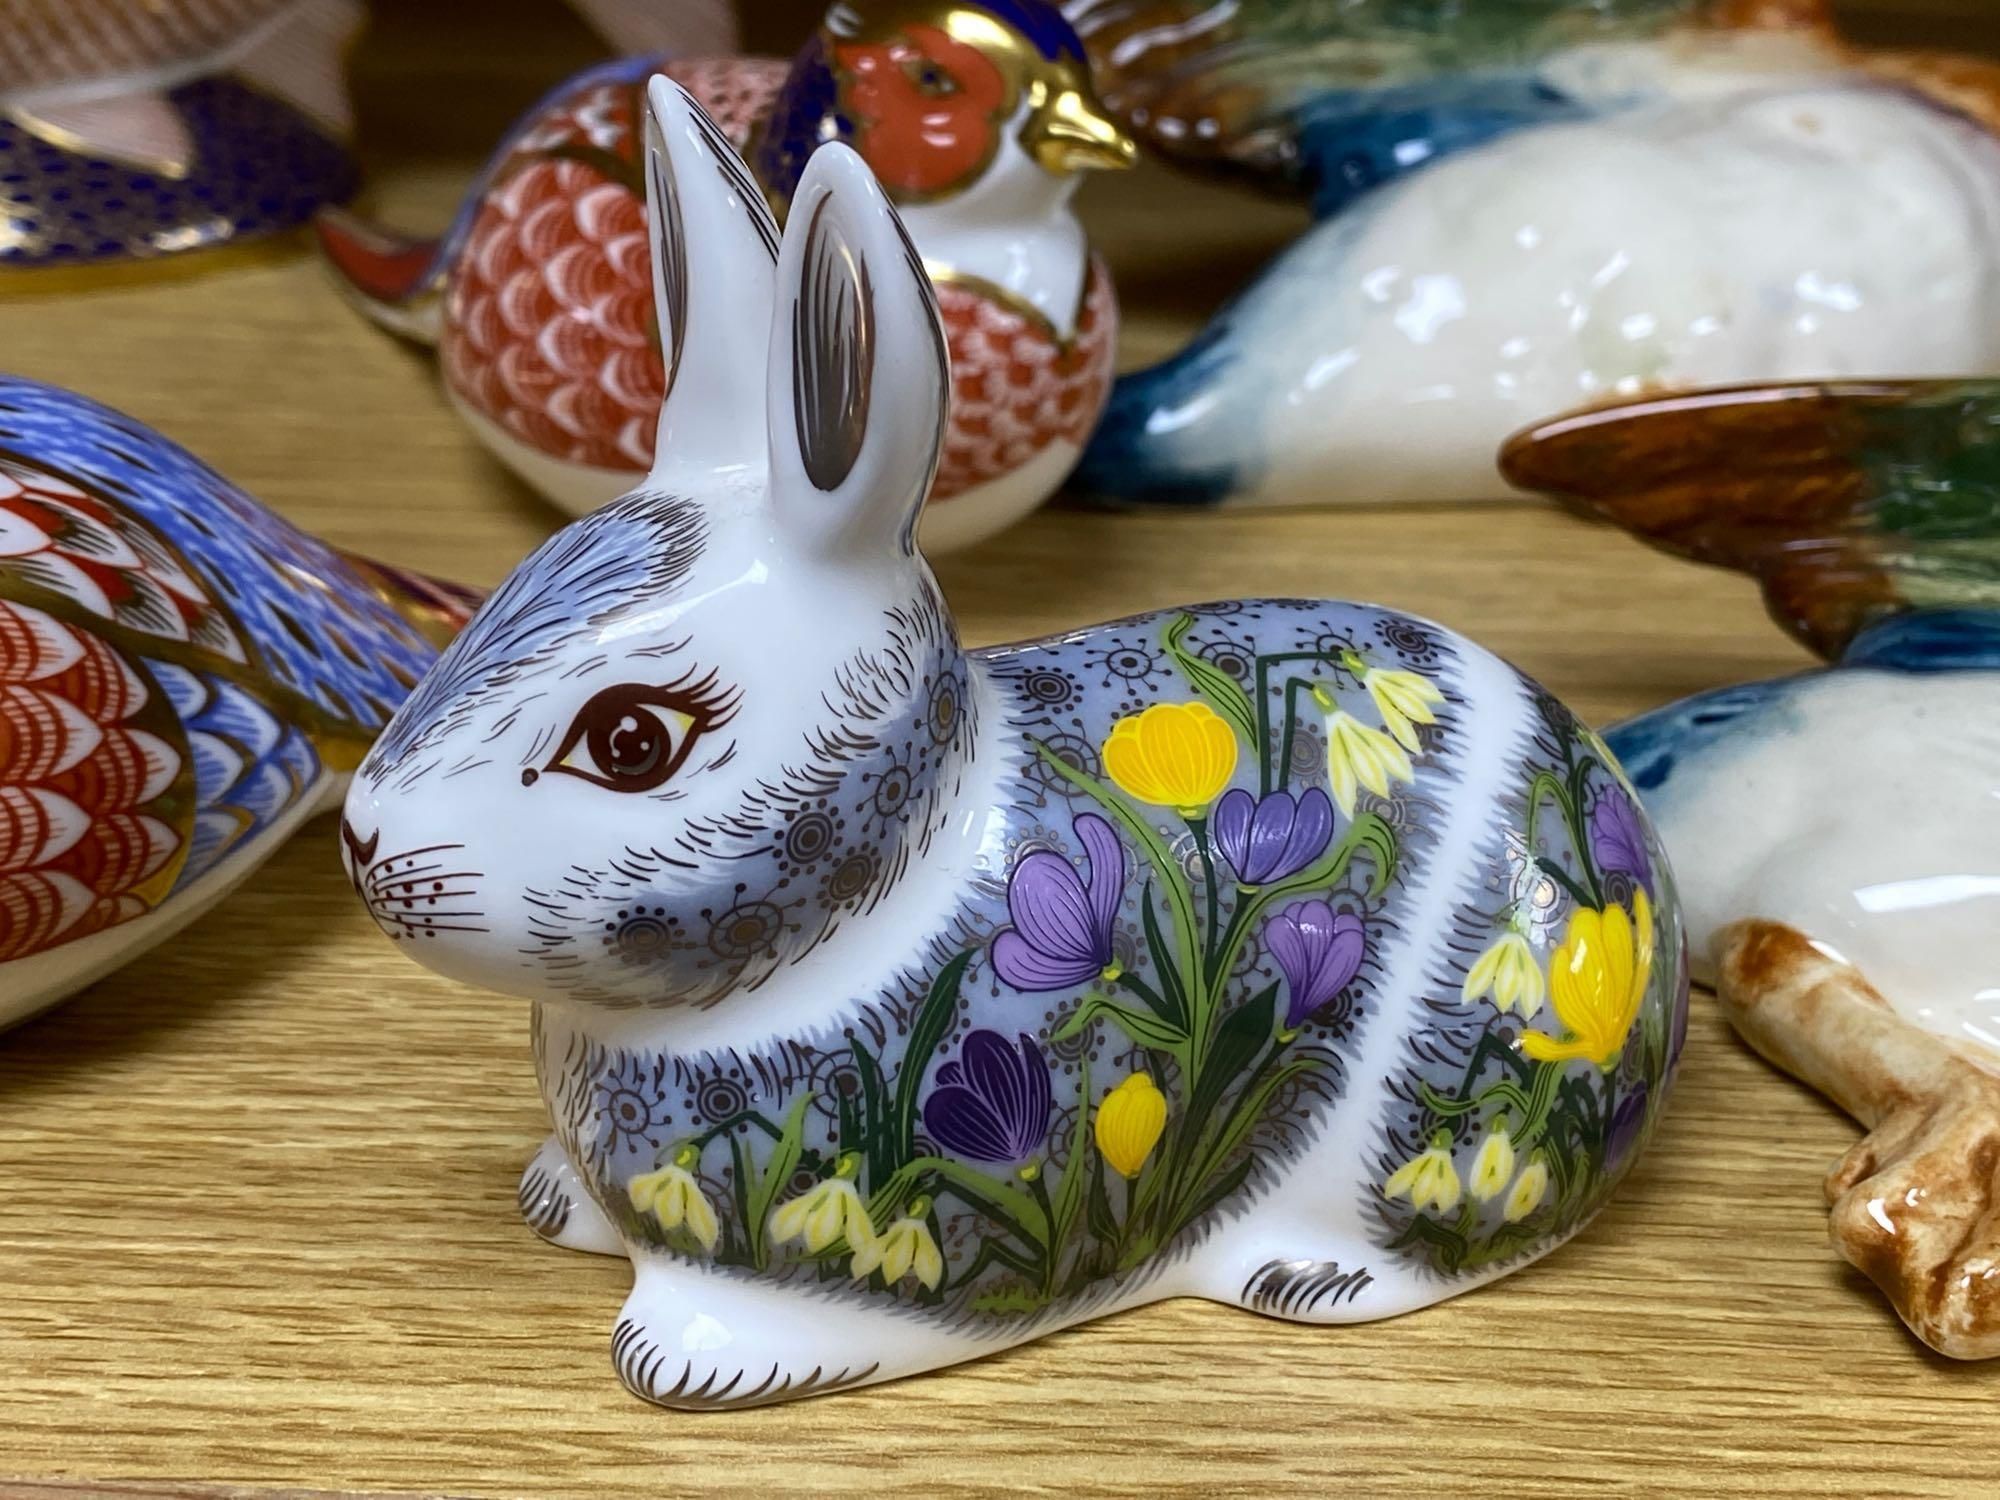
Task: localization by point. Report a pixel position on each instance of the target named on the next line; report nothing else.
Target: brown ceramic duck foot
(1913, 1203)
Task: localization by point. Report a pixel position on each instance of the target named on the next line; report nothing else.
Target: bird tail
(1168, 435)
(396, 280)
(1850, 503)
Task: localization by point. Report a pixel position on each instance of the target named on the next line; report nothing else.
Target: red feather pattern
(1014, 389)
(58, 538)
(548, 321)
(78, 838)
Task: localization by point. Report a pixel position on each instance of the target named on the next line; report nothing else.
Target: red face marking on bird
(928, 109)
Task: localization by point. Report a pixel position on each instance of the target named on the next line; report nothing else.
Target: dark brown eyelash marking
(703, 697)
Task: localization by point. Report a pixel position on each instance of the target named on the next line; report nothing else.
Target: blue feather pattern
(339, 646)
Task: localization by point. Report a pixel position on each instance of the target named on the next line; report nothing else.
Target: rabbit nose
(359, 852)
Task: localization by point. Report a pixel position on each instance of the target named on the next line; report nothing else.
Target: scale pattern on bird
(178, 668)
(548, 324)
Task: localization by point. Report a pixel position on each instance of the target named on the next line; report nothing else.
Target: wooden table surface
(258, 1229)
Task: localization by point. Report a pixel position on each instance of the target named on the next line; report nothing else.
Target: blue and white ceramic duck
(1553, 222)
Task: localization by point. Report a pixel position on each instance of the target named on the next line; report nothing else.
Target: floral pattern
(1562, 1036)
(1151, 1016)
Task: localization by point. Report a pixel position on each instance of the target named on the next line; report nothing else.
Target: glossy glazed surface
(979, 118)
(1302, 95)
(1700, 213)
(183, 679)
(1868, 512)
(1764, 820)
(1837, 834)
(1848, 502)
(896, 1003)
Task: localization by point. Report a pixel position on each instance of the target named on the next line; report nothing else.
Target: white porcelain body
(1713, 216)
(1859, 806)
(895, 1003)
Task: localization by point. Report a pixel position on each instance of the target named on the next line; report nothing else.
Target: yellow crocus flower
(1597, 980)
(1493, 1167)
(1428, 1179)
(1529, 1189)
(904, 1247)
(1358, 756)
(1129, 1121)
(1508, 972)
(826, 1213)
(1178, 755)
(1404, 700)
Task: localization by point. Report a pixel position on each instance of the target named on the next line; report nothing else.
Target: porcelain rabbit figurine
(1683, 210)
(1837, 833)
(978, 115)
(896, 1003)
(184, 679)
(142, 132)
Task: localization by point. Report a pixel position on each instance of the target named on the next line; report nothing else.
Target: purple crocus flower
(1062, 921)
(991, 1102)
(1617, 841)
(1319, 951)
(1273, 837)
(1623, 1133)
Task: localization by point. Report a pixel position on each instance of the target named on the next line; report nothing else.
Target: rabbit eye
(632, 737)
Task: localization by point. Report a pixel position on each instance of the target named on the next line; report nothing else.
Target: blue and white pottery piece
(137, 133)
(896, 1003)
(1603, 220)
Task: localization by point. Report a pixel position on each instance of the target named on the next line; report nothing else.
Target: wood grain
(258, 1228)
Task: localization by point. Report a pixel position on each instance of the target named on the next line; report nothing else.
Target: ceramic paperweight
(1837, 834)
(896, 1003)
(1563, 203)
(134, 134)
(978, 118)
(184, 679)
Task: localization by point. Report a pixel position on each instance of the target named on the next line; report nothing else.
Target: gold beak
(1072, 133)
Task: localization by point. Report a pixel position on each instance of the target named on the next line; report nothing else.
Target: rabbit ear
(715, 250)
(859, 371)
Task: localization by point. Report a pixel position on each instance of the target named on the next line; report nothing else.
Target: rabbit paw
(702, 1340)
(1306, 1291)
(557, 1207)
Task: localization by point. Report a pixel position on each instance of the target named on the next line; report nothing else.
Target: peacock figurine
(1837, 834)
(976, 117)
(185, 678)
(1527, 206)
